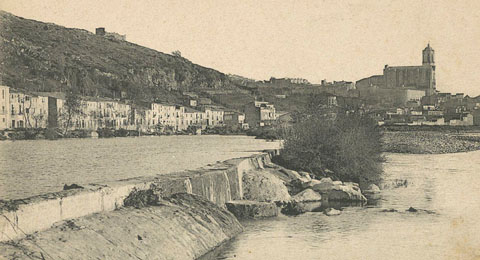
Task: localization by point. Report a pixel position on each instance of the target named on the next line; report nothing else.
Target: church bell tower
(428, 56)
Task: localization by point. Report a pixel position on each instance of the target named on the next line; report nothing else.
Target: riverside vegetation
(342, 145)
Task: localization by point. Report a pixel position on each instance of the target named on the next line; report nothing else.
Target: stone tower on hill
(428, 56)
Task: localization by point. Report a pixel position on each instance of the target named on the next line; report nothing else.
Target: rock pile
(296, 192)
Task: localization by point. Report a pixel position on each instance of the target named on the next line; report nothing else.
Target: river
(29, 168)
(444, 188)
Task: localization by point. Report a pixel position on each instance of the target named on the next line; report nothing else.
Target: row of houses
(435, 110)
(49, 109)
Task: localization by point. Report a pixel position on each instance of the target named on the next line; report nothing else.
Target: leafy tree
(72, 108)
(337, 143)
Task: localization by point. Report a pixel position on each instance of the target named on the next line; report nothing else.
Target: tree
(340, 144)
(72, 108)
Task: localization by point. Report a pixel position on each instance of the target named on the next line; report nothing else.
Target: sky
(312, 39)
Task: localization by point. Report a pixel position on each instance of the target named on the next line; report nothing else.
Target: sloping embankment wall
(218, 183)
(182, 227)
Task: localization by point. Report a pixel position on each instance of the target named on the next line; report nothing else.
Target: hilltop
(37, 56)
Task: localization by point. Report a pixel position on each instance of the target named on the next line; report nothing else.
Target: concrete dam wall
(216, 184)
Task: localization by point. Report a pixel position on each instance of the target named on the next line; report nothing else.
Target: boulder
(345, 193)
(295, 207)
(261, 185)
(291, 174)
(313, 182)
(307, 195)
(328, 179)
(337, 183)
(323, 186)
(351, 183)
(332, 212)
(245, 209)
(306, 175)
(372, 188)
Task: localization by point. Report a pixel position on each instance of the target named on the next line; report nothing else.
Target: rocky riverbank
(296, 192)
(430, 142)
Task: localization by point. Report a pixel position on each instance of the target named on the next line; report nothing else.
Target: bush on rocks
(347, 144)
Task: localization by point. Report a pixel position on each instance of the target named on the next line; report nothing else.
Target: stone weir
(187, 217)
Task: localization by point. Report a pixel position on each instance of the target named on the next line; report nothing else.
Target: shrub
(51, 134)
(347, 144)
(105, 132)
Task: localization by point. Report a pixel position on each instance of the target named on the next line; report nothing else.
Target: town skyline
(307, 40)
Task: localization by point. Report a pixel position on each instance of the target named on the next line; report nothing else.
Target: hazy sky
(336, 40)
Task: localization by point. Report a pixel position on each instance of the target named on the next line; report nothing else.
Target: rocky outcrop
(305, 201)
(308, 195)
(262, 185)
(37, 56)
(247, 209)
(183, 227)
(339, 191)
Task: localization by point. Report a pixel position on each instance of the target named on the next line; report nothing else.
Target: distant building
(204, 101)
(4, 107)
(234, 119)
(27, 110)
(464, 120)
(411, 77)
(259, 113)
(287, 81)
(476, 116)
(111, 35)
(214, 116)
(195, 118)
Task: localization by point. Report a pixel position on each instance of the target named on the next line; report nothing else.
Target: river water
(444, 188)
(35, 167)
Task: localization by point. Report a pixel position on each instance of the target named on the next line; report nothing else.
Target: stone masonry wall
(218, 183)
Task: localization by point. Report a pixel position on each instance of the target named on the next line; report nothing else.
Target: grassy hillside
(38, 56)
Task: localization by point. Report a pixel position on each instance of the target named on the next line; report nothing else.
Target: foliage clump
(345, 145)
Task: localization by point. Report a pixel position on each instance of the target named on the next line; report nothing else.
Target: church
(405, 77)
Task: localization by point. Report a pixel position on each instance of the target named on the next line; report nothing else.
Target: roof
(59, 95)
(428, 48)
(191, 110)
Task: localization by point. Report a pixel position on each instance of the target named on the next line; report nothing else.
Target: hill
(37, 56)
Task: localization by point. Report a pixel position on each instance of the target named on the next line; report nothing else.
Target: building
(287, 81)
(259, 113)
(4, 107)
(466, 119)
(234, 119)
(111, 35)
(165, 115)
(214, 116)
(411, 77)
(50, 109)
(204, 101)
(27, 110)
(195, 118)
